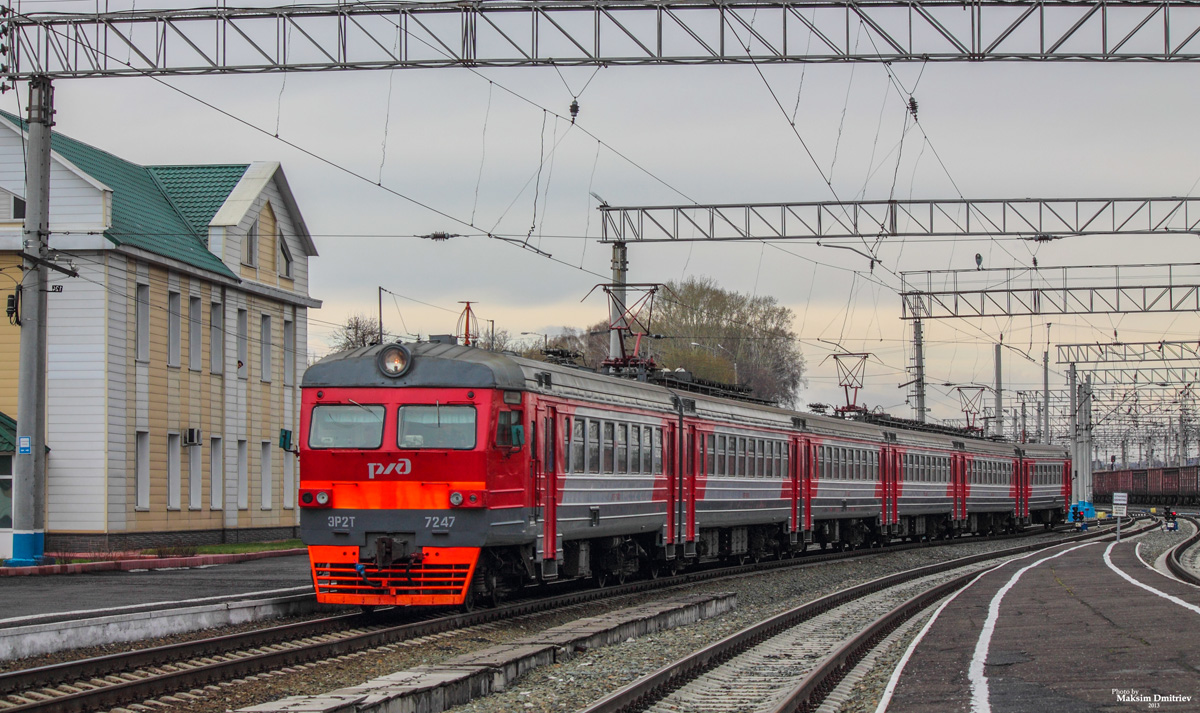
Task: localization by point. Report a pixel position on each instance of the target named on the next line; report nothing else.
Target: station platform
(1074, 629)
(98, 593)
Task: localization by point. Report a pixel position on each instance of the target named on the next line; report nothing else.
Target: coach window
(760, 467)
(750, 455)
(725, 467)
(710, 463)
(593, 446)
(635, 449)
(647, 450)
(505, 421)
(606, 445)
(772, 454)
(720, 455)
(577, 444)
(442, 427)
(623, 448)
(346, 426)
(658, 451)
(783, 447)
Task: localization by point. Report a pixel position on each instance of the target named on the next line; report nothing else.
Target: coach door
(958, 485)
(1022, 468)
(545, 464)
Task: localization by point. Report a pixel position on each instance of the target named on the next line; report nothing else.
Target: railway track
(1174, 557)
(791, 661)
(135, 676)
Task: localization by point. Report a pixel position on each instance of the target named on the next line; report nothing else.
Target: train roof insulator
(394, 360)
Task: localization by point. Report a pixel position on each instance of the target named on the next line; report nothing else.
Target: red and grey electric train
(435, 474)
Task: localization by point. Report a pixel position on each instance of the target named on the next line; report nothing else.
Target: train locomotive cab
(404, 480)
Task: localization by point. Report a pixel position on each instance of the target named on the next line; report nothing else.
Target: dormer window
(11, 207)
(250, 246)
(285, 258)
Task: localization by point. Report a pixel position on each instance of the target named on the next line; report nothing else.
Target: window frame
(195, 339)
(265, 353)
(474, 430)
(174, 328)
(216, 338)
(313, 421)
(250, 245)
(284, 266)
(142, 322)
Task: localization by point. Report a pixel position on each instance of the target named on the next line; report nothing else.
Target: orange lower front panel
(440, 578)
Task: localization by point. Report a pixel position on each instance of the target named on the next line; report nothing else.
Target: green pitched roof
(8, 434)
(198, 192)
(145, 213)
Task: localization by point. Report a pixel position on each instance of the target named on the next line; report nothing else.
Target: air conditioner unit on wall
(191, 437)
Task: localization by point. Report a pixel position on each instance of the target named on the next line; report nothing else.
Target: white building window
(141, 469)
(216, 338)
(173, 465)
(289, 480)
(289, 352)
(216, 475)
(265, 349)
(250, 245)
(243, 475)
(142, 321)
(243, 344)
(266, 487)
(195, 477)
(195, 343)
(285, 258)
(174, 322)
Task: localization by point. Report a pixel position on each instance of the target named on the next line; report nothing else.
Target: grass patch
(231, 548)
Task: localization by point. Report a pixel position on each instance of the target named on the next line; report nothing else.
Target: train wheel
(653, 570)
(601, 579)
(621, 575)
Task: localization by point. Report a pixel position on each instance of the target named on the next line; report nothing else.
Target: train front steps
(437, 687)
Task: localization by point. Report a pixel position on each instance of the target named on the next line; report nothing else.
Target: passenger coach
(435, 474)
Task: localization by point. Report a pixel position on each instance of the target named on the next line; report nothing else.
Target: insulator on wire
(912, 107)
(574, 110)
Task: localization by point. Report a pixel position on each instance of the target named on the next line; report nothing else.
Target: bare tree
(359, 330)
(731, 337)
(497, 341)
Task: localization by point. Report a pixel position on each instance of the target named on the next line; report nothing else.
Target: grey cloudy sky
(462, 144)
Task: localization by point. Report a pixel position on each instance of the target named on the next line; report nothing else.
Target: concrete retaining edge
(437, 687)
(148, 563)
(53, 632)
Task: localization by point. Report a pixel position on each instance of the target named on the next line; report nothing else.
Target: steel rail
(1173, 557)
(54, 674)
(656, 685)
(199, 676)
(821, 681)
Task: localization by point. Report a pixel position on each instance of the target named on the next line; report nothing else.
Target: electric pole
(29, 482)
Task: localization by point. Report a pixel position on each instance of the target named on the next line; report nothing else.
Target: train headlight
(306, 498)
(456, 498)
(394, 360)
(322, 498)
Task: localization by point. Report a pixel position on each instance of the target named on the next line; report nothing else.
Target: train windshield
(442, 427)
(340, 426)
